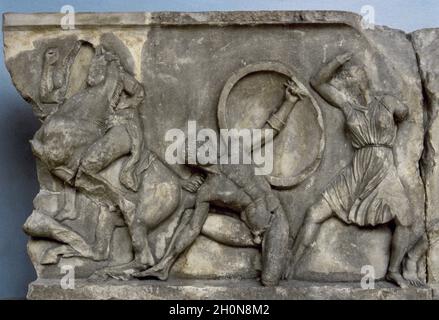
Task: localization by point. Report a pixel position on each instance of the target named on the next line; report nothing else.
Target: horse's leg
(160, 196)
(185, 237)
(138, 226)
(318, 213)
(150, 212)
(142, 255)
(142, 250)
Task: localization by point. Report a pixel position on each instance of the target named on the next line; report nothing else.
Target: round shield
(251, 95)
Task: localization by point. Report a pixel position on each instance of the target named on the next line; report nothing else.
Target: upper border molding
(220, 18)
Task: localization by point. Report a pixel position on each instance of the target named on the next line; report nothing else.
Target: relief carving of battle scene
(339, 109)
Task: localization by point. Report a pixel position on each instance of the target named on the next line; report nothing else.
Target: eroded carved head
(354, 81)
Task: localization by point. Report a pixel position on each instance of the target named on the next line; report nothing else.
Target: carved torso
(371, 125)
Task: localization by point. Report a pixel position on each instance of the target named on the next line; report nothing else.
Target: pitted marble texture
(353, 184)
(221, 290)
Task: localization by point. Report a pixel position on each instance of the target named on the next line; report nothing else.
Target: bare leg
(410, 264)
(400, 243)
(315, 216)
(139, 240)
(151, 210)
(142, 250)
(108, 221)
(113, 145)
(274, 249)
(415, 254)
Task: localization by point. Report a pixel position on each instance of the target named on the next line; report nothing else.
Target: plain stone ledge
(222, 289)
(83, 19)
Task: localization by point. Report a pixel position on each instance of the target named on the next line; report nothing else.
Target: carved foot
(159, 271)
(409, 272)
(397, 279)
(121, 272)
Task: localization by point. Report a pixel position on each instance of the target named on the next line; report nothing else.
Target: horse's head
(98, 67)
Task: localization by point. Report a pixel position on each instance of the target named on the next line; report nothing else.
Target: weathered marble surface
(426, 45)
(222, 290)
(194, 66)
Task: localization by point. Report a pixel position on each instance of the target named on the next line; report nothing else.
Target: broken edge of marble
(18, 21)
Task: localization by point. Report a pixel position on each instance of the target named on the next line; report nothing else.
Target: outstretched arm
(277, 120)
(320, 81)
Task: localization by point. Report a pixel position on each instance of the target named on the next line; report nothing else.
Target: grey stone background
(18, 184)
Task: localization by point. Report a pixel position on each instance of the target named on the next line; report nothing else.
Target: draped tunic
(368, 191)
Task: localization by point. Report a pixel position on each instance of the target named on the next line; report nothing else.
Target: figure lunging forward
(367, 192)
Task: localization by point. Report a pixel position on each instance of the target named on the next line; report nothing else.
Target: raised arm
(320, 81)
(277, 121)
